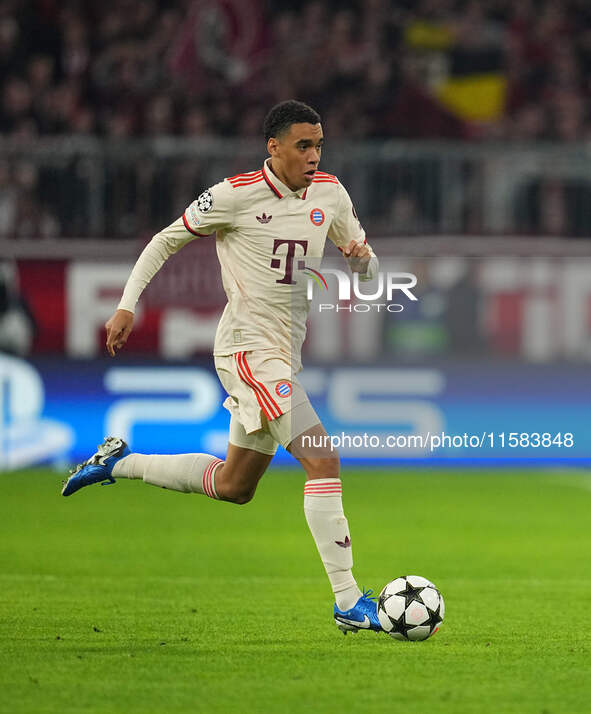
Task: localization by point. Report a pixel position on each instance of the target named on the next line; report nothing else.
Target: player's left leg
(323, 507)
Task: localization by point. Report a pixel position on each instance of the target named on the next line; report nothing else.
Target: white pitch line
(577, 478)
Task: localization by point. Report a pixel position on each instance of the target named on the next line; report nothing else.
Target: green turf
(132, 599)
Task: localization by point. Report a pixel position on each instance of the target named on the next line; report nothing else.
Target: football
(410, 608)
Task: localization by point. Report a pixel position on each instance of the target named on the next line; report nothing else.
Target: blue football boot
(362, 616)
(99, 466)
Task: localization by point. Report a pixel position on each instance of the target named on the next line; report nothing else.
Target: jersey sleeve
(164, 244)
(346, 227)
(212, 211)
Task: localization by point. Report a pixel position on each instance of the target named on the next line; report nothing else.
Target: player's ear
(272, 146)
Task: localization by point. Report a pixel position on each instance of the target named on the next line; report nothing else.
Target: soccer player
(268, 223)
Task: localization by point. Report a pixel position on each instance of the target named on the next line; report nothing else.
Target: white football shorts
(267, 403)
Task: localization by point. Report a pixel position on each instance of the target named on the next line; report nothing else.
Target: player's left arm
(347, 233)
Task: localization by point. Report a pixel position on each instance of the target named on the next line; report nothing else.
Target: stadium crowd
(201, 67)
(479, 71)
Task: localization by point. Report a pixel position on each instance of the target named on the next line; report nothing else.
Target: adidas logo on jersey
(264, 218)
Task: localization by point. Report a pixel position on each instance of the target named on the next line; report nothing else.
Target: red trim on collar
(305, 192)
(271, 186)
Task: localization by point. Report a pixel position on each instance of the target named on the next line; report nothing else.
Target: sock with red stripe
(189, 473)
(323, 507)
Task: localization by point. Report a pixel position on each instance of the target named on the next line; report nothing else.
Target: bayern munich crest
(283, 389)
(205, 201)
(317, 216)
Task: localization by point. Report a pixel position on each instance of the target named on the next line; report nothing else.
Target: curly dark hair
(284, 114)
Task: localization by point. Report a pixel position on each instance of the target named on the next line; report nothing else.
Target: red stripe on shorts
(257, 395)
(261, 386)
(263, 403)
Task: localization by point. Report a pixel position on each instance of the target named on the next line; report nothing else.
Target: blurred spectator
(463, 312)
(17, 103)
(17, 324)
(22, 214)
(8, 201)
(32, 217)
(195, 122)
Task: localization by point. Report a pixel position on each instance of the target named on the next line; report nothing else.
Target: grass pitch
(132, 599)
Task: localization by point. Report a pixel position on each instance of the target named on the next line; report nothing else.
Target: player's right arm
(212, 211)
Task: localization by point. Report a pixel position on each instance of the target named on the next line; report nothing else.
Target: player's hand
(118, 328)
(359, 256)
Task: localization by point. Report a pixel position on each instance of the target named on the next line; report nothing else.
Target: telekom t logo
(289, 258)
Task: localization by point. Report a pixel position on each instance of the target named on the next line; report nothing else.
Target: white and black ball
(410, 608)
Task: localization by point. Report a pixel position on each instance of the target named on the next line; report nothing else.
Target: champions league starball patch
(283, 389)
(205, 201)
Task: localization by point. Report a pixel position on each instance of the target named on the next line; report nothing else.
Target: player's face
(296, 154)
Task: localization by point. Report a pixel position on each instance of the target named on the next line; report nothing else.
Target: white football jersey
(267, 236)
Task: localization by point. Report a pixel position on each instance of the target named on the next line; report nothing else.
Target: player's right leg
(234, 479)
(98, 468)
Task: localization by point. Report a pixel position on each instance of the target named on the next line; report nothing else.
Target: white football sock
(189, 473)
(323, 507)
